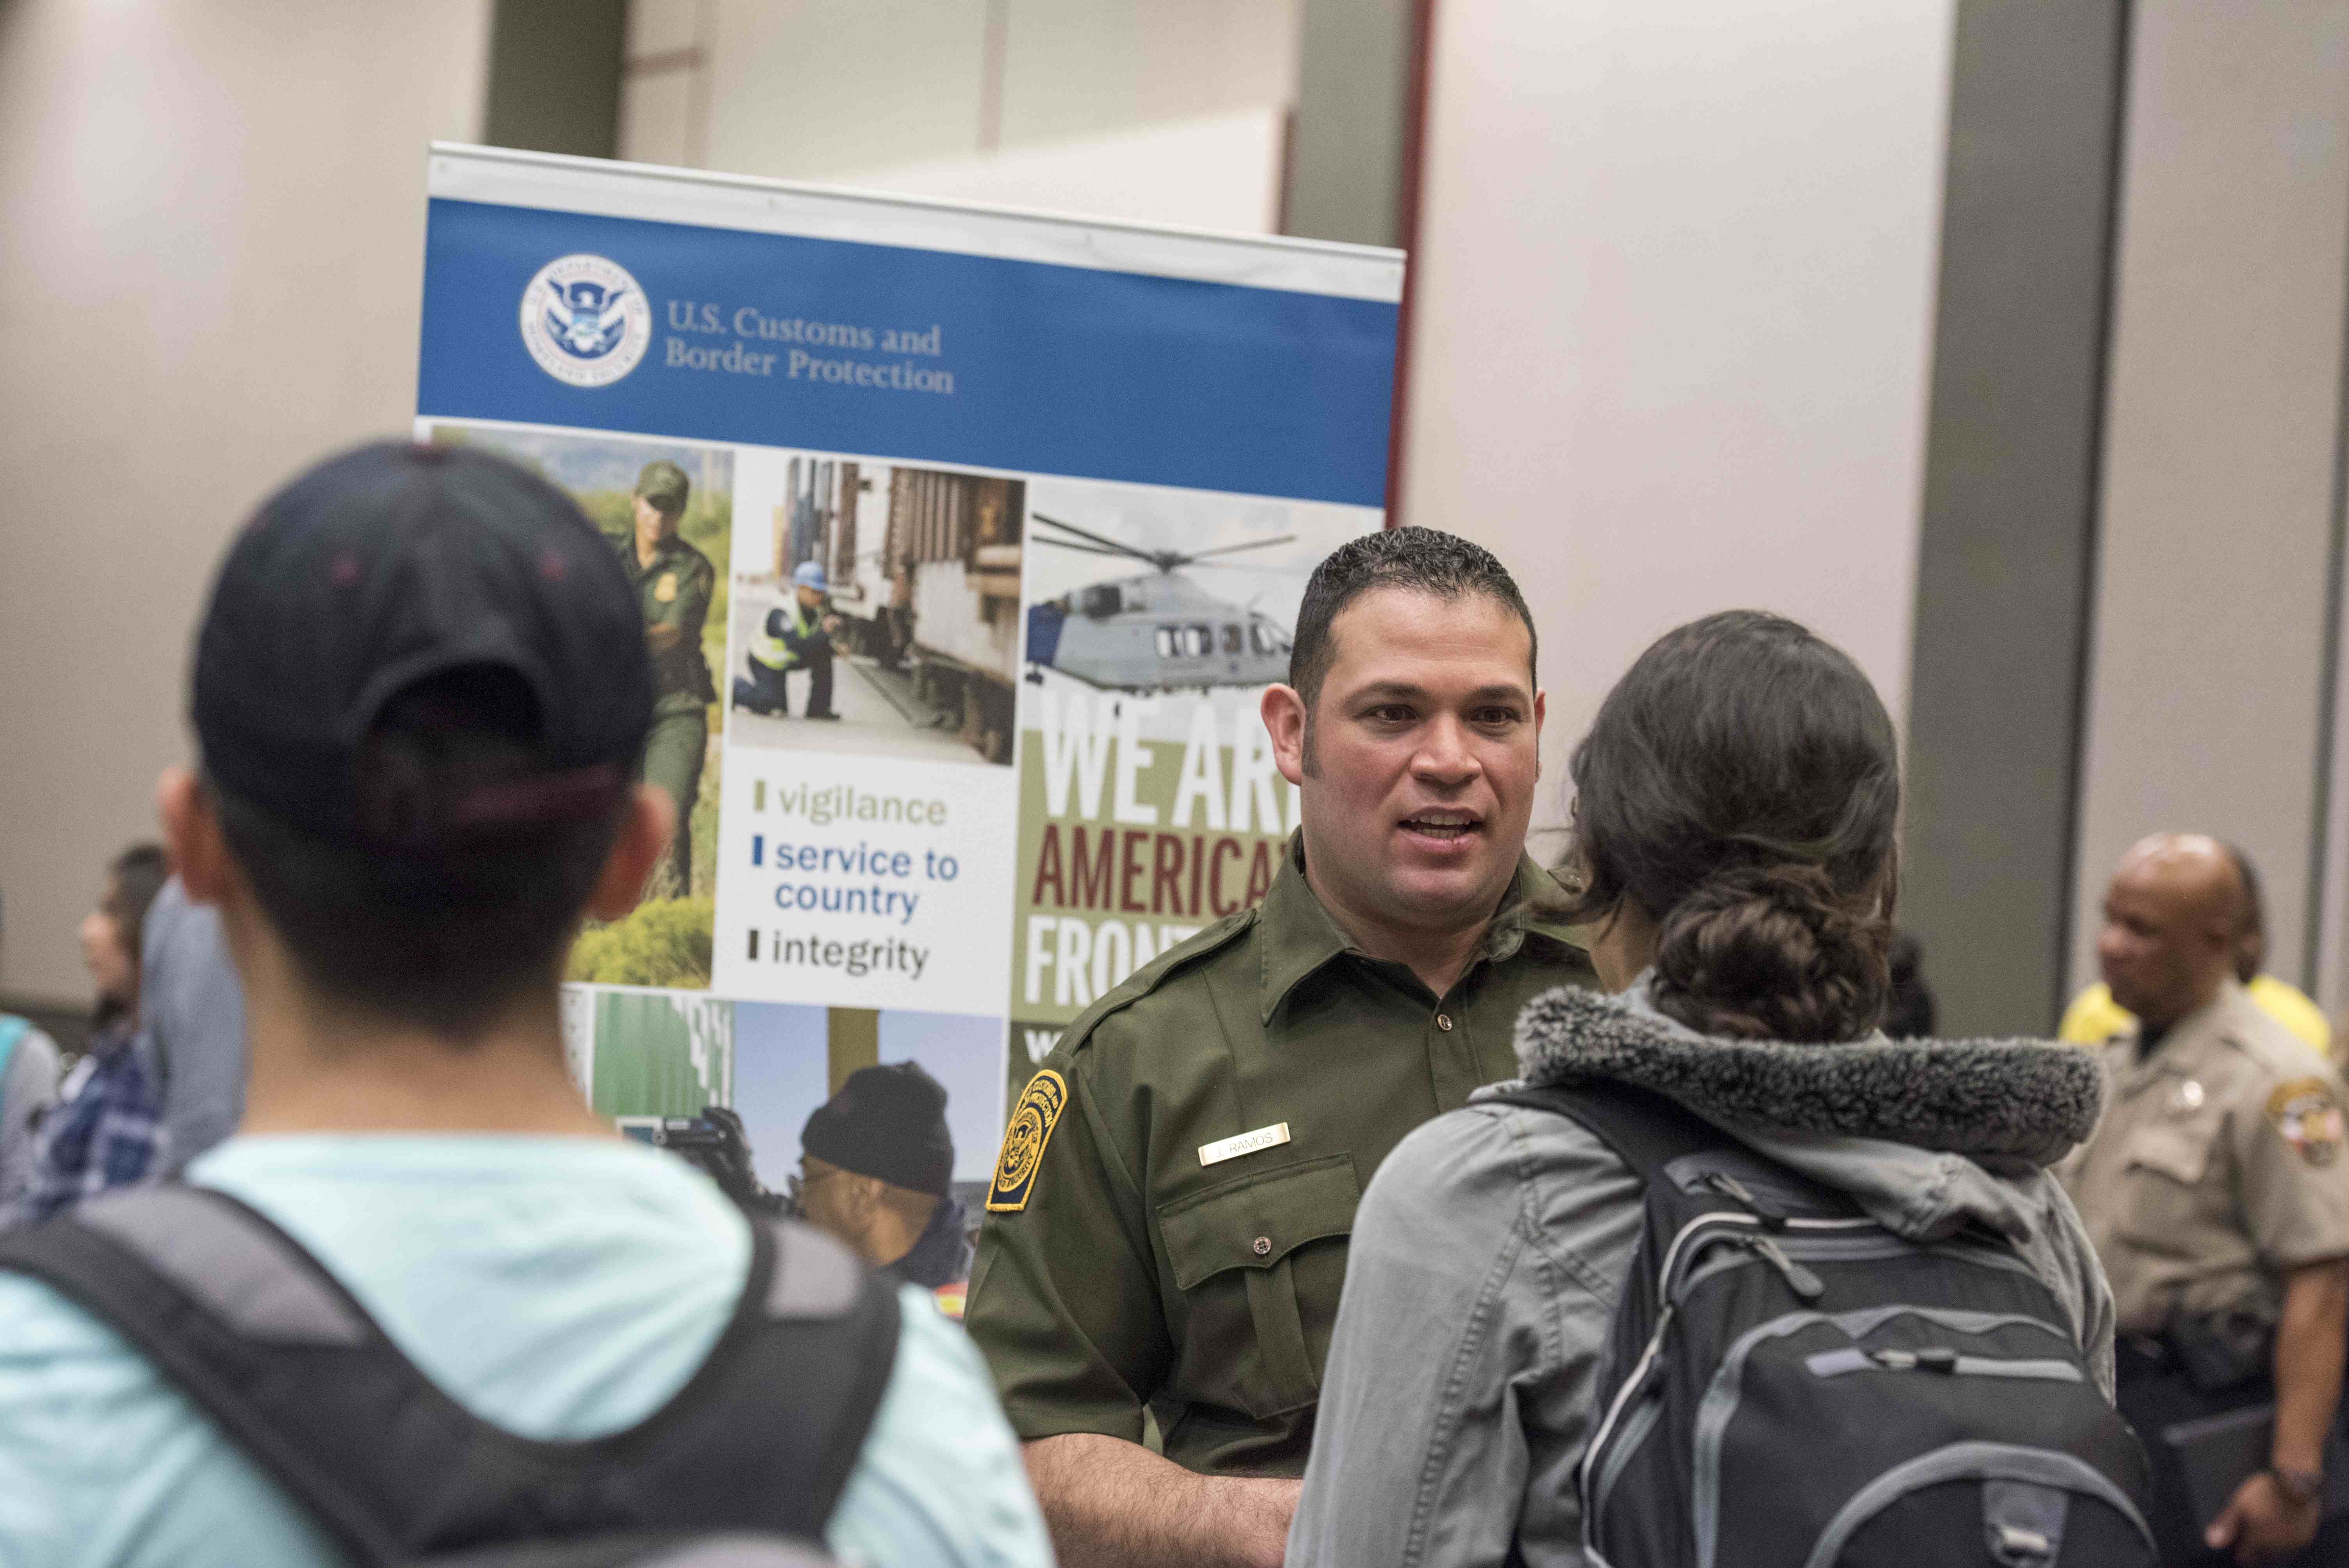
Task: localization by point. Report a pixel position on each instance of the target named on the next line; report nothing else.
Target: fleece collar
(2014, 1099)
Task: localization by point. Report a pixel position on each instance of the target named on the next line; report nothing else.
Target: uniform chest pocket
(1261, 1294)
(2164, 1170)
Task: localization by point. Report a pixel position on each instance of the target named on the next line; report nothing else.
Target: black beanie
(889, 1122)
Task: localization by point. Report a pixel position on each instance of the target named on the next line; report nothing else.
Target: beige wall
(211, 240)
(2222, 419)
(1673, 309)
(1215, 172)
(1157, 110)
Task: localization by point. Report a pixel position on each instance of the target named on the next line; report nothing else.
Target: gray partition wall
(2007, 553)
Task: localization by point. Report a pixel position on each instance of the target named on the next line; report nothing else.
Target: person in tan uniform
(2216, 1196)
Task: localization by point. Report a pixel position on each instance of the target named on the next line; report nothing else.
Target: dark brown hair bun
(1741, 785)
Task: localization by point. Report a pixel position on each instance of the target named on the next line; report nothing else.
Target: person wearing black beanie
(876, 1166)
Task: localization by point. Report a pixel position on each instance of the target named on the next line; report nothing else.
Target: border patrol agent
(1169, 1218)
(1168, 1223)
(2215, 1183)
(674, 583)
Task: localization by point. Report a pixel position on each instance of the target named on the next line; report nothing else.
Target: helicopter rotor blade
(1088, 548)
(1233, 549)
(1103, 538)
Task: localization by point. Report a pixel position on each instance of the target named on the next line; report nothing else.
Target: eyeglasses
(796, 1186)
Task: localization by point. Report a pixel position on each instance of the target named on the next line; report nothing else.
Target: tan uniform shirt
(1168, 1223)
(2218, 1167)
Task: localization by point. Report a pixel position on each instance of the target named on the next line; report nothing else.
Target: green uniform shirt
(674, 591)
(1119, 1267)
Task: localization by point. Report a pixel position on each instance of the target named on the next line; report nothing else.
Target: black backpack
(1788, 1383)
(740, 1470)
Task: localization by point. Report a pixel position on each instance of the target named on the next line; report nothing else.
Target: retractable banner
(966, 540)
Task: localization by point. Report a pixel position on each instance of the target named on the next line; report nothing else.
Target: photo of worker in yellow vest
(882, 603)
(796, 636)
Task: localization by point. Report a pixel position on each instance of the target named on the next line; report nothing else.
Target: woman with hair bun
(1736, 822)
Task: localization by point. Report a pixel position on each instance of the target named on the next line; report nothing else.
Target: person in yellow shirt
(2093, 1018)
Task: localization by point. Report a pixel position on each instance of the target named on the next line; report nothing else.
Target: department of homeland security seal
(1023, 1141)
(586, 321)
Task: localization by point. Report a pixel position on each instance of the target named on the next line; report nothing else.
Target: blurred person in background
(28, 1088)
(877, 1163)
(2093, 1018)
(192, 1024)
(1910, 1010)
(107, 1127)
(2217, 1195)
(420, 696)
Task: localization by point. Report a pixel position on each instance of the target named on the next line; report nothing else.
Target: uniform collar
(669, 545)
(2187, 1046)
(1297, 934)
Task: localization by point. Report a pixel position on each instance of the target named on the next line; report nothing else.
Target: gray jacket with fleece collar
(1489, 1250)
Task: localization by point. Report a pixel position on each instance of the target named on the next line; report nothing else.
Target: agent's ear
(648, 819)
(191, 835)
(1284, 720)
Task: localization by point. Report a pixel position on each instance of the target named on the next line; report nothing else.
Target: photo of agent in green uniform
(666, 510)
(674, 583)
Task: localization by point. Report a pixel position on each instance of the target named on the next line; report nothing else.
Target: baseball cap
(889, 1122)
(664, 484)
(391, 564)
(808, 574)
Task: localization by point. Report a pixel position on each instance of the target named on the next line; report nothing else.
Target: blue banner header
(553, 318)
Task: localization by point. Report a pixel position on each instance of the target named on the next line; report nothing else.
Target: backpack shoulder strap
(293, 1370)
(230, 1310)
(1647, 1131)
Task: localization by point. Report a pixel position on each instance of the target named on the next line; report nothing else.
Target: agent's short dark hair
(442, 931)
(1742, 786)
(1422, 560)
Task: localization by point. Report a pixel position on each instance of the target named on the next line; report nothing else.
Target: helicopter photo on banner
(1149, 805)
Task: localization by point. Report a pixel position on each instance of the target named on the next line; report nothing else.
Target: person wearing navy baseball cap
(426, 1301)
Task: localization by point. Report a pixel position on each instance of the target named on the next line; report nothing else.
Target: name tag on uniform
(1225, 1149)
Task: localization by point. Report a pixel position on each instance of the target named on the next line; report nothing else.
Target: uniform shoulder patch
(1032, 1120)
(665, 589)
(2309, 1118)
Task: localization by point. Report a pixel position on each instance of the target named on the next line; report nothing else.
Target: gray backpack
(1788, 1383)
(740, 1470)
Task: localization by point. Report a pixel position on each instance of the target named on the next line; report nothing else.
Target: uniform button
(1263, 1245)
(1444, 1022)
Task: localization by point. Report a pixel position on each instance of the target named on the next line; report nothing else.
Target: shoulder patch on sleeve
(2308, 1117)
(1032, 1120)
